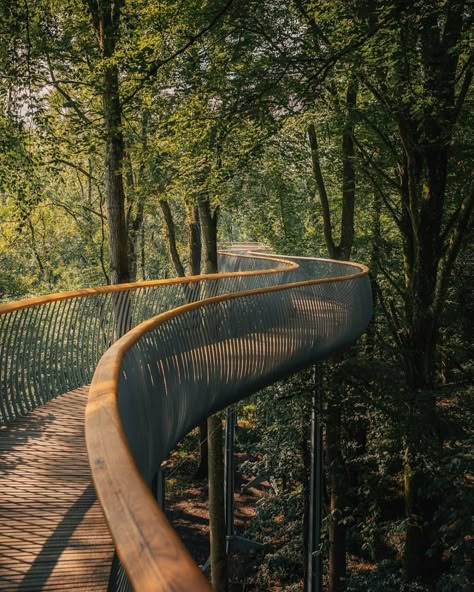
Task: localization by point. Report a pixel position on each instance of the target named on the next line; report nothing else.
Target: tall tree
(429, 45)
(105, 16)
(337, 482)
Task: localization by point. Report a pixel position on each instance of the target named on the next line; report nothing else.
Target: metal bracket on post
(314, 561)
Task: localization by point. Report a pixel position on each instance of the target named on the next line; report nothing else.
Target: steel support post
(314, 574)
(231, 418)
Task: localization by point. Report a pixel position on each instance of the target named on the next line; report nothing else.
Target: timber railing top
(180, 366)
(51, 344)
(8, 307)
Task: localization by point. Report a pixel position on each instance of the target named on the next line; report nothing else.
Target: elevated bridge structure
(78, 464)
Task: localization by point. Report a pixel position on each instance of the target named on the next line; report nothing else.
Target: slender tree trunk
(194, 268)
(171, 238)
(306, 454)
(105, 16)
(335, 461)
(118, 234)
(209, 235)
(118, 237)
(136, 202)
(337, 489)
(142, 253)
(373, 266)
(194, 242)
(214, 425)
(216, 505)
(195, 253)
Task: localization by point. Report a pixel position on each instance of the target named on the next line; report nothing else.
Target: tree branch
(323, 196)
(71, 102)
(452, 250)
(466, 83)
(158, 64)
(171, 238)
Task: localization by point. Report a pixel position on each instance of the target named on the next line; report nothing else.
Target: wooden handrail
(51, 344)
(154, 558)
(9, 307)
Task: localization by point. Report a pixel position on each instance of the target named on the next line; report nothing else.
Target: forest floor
(187, 509)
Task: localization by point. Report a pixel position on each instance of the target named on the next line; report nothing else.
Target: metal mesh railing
(206, 358)
(166, 375)
(52, 344)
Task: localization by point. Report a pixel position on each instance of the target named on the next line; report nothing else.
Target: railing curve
(52, 344)
(167, 374)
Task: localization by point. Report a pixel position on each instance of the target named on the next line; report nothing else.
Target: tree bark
(106, 21)
(337, 487)
(348, 175)
(343, 250)
(209, 234)
(214, 425)
(216, 505)
(194, 242)
(171, 238)
(136, 202)
(194, 268)
(429, 51)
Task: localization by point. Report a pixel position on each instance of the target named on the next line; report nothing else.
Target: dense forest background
(130, 129)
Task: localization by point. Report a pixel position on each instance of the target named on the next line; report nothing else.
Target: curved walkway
(223, 337)
(53, 535)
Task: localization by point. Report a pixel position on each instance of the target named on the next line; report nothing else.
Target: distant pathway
(53, 535)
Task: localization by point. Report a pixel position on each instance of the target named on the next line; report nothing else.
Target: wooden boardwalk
(53, 535)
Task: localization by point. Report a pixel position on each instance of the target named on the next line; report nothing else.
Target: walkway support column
(231, 419)
(314, 574)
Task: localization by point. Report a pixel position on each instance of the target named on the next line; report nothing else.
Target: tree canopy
(319, 127)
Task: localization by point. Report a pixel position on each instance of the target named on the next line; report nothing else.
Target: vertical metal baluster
(29, 360)
(21, 347)
(64, 364)
(138, 308)
(98, 302)
(108, 321)
(8, 321)
(89, 329)
(73, 371)
(49, 347)
(40, 379)
(19, 403)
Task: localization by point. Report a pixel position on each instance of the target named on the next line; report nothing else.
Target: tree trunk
(214, 426)
(136, 202)
(194, 268)
(194, 242)
(426, 138)
(209, 235)
(216, 505)
(106, 21)
(118, 239)
(171, 238)
(335, 461)
(337, 488)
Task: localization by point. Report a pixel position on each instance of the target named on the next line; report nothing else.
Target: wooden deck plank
(53, 535)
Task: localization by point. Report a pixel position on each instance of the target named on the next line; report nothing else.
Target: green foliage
(216, 100)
